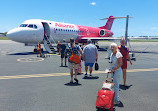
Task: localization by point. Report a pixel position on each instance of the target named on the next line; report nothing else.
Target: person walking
(115, 69)
(90, 55)
(63, 47)
(125, 53)
(73, 50)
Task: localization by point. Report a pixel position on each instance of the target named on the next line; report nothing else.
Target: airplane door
(46, 29)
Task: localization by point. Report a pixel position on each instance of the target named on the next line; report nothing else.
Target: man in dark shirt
(63, 47)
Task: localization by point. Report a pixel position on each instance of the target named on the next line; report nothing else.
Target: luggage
(96, 66)
(105, 97)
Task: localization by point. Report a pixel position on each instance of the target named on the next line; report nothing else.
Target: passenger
(115, 69)
(63, 47)
(90, 55)
(72, 48)
(125, 53)
(58, 47)
(79, 65)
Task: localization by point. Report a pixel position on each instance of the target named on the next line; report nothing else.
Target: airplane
(47, 32)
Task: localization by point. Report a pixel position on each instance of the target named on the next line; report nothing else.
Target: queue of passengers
(118, 60)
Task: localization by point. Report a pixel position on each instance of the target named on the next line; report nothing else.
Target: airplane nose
(13, 34)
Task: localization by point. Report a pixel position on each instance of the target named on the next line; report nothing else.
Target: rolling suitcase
(105, 97)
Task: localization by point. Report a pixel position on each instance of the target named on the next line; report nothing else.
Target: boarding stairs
(48, 45)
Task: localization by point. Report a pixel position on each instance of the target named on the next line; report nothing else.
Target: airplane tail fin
(109, 22)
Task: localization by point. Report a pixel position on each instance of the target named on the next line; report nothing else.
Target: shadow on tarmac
(99, 109)
(24, 53)
(92, 77)
(63, 66)
(119, 105)
(145, 52)
(124, 87)
(73, 84)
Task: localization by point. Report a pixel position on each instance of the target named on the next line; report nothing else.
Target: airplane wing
(117, 38)
(101, 38)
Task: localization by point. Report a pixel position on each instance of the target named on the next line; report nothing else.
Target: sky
(84, 12)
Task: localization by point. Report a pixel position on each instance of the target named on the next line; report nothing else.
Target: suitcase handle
(107, 78)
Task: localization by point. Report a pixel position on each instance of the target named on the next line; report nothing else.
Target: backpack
(75, 58)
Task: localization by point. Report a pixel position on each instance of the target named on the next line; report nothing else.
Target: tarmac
(28, 83)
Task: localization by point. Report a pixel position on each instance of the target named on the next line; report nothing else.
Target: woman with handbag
(74, 58)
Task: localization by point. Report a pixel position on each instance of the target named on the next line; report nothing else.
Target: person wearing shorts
(63, 47)
(90, 55)
(77, 51)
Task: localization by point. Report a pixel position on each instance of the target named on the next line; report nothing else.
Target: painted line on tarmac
(65, 74)
(30, 59)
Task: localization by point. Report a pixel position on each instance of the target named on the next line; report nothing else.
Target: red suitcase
(105, 99)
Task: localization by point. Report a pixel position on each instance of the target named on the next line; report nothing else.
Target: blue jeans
(116, 80)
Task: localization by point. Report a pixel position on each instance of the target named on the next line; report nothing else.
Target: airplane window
(30, 26)
(23, 25)
(56, 29)
(66, 30)
(35, 26)
(70, 30)
(61, 29)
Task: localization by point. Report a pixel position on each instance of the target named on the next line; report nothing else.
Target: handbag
(96, 66)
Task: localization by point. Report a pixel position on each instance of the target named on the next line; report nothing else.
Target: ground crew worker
(59, 47)
(125, 53)
(39, 49)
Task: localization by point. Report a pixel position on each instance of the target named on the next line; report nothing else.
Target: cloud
(154, 28)
(93, 3)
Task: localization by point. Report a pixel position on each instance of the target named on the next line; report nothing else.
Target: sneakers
(90, 75)
(61, 64)
(85, 75)
(116, 102)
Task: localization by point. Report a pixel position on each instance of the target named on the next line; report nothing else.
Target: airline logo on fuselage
(64, 25)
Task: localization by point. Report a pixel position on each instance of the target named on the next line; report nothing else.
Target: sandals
(71, 82)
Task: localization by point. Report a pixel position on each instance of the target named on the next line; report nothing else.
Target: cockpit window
(35, 26)
(23, 25)
(30, 26)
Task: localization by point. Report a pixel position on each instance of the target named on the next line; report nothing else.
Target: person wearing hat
(90, 55)
(72, 48)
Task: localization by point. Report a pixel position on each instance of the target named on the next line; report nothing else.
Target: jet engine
(102, 32)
